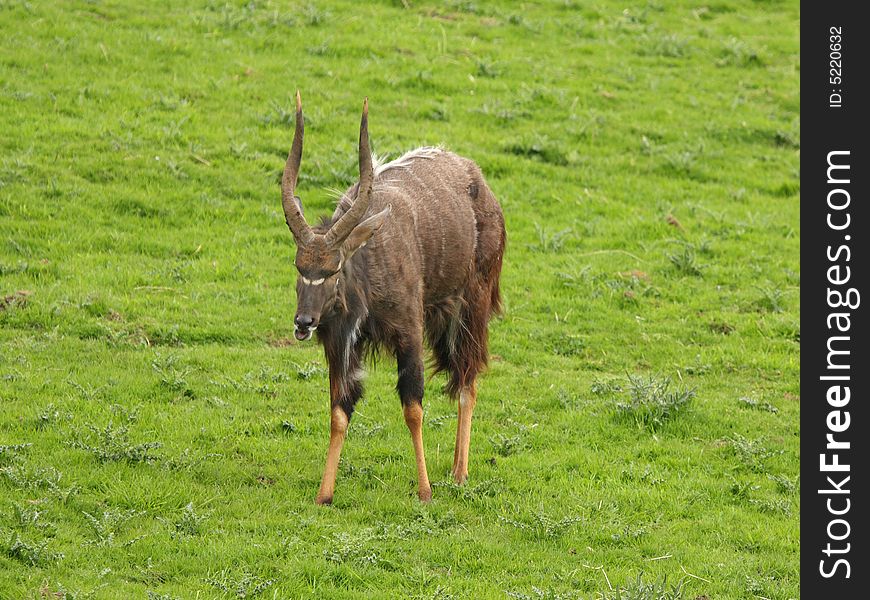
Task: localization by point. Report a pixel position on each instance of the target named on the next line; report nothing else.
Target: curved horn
(292, 213)
(342, 228)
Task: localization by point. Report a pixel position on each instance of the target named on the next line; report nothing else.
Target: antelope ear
(299, 204)
(362, 232)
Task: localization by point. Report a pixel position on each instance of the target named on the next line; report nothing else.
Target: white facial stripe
(307, 281)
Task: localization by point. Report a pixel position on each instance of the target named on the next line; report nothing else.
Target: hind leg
(467, 400)
(410, 386)
(456, 446)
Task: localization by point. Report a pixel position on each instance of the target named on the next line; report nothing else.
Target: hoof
(323, 501)
(459, 477)
(425, 494)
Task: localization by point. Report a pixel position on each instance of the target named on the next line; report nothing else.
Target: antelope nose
(304, 321)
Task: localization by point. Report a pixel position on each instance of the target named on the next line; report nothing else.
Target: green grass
(637, 434)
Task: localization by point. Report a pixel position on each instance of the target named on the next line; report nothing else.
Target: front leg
(345, 389)
(410, 387)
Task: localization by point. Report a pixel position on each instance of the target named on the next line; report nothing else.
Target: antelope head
(321, 255)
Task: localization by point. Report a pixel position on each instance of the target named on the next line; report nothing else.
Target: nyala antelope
(413, 251)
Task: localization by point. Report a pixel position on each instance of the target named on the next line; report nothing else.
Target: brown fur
(441, 250)
(421, 262)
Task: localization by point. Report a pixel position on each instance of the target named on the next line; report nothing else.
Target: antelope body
(412, 254)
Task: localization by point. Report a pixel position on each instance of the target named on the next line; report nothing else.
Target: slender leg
(410, 386)
(414, 419)
(458, 429)
(345, 390)
(467, 400)
(337, 431)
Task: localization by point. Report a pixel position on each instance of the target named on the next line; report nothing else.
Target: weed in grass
(321, 49)
(758, 586)
(437, 113)
(39, 478)
(742, 490)
(652, 401)
(757, 405)
(187, 523)
(439, 593)
(738, 53)
(88, 392)
(645, 590)
(569, 401)
(308, 370)
(505, 445)
(149, 595)
(508, 444)
(627, 290)
(502, 112)
(648, 476)
(108, 524)
(481, 490)
(422, 524)
(343, 547)
(771, 299)
(542, 594)
(17, 300)
(697, 367)
(48, 416)
(439, 421)
(772, 507)
(171, 375)
(426, 522)
(721, 327)
(113, 443)
(240, 585)
(265, 381)
(751, 453)
(606, 387)
(487, 68)
(680, 162)
(313, 15)
(541, 148)
(685, 261)
(30, 552)
(784, 484)
(541, 526)
(669, 46)
(12, 452)
(187, 460)
(550, 242)
(282, 115)
(629, 533)
(216, 401)
(30, 516)
(361, 428)
(566, 344)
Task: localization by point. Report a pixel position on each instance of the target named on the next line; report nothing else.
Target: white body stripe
(407, 158)
(424, 152)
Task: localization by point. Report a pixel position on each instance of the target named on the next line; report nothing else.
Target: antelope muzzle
(304, 326)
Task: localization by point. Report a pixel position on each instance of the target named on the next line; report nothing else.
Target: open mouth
(303, 334)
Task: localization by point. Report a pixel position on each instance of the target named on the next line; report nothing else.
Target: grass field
(161, 433)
